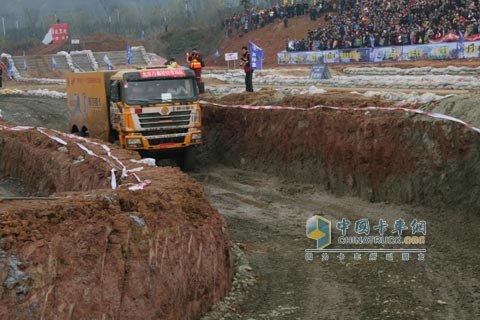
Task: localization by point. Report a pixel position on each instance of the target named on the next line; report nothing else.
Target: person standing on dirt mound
(248, 70)
(196, 64)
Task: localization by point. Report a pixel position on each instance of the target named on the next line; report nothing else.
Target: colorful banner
(331, 56)
(59, 32)
(470, 50)
(440, 51)
(355, 55)
(385, 54)
(437, 51)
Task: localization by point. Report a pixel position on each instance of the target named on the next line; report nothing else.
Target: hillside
(272, 38)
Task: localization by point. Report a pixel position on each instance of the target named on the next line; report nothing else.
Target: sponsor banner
(433, 51)
(232, 56)
(60, 32)
(441, 51)
(355, 55)
(470, 50)
(162, 73)
(331, 56)
(385, 54)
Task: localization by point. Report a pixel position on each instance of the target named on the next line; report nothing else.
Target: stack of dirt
(378, 155)
(161, 252)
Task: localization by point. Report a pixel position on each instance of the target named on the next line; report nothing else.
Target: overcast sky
(8, 7)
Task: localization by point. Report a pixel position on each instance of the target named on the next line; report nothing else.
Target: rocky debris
(243, 280)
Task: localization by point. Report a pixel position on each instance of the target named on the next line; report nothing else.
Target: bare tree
(245, 4)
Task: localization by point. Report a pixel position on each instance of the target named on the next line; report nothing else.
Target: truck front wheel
(186, 159)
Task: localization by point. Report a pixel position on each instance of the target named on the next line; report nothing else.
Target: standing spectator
(248, 70)
(285, 21)
(196, 64)
(1, 74)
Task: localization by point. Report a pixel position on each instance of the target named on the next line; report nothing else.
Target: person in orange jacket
(196, 64)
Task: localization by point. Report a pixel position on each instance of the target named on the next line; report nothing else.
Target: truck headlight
(195, 116)
(134, 143)
(196, 137)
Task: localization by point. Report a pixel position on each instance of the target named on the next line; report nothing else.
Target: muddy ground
(266, 206)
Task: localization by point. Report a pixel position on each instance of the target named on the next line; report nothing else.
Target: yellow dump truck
(151, 110)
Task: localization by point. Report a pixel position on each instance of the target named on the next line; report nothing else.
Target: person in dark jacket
(247, 68)
(1, 74)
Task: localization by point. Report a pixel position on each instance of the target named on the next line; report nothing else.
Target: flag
(187, 55)
(256, 56)
(48, 39)
(10, 70)
(25, 67)
(129, 55)
(217, 55)
(142, 35)
(460, 41)
(107, 61)
(54, 63)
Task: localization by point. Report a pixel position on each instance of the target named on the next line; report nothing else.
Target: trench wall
(158, 253)
(384, 156)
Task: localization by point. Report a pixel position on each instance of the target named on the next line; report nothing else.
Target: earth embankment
(85, 250)
(377, 155)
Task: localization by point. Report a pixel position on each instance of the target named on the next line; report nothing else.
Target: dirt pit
(268, 171)
(152, 248)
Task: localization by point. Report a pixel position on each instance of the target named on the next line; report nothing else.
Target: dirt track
(266, 215)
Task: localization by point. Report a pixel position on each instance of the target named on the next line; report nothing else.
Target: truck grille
(156, 120)
(155, 142)
(162, 132)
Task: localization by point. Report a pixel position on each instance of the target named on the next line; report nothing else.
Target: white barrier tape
(52, 137)
(104, 147)
(417, 111)
(139, 186)
(17, 128)
(114, 180)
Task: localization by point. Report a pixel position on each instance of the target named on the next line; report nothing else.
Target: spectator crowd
(256, 18)
(373, 23)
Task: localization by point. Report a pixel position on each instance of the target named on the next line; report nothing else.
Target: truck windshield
(151, 91)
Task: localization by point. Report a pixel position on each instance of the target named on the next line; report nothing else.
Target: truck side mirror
(115, 91)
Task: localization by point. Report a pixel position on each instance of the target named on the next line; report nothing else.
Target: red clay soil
(158, 253)
(380, 156)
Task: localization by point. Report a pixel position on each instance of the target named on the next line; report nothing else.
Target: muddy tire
(186, 159)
